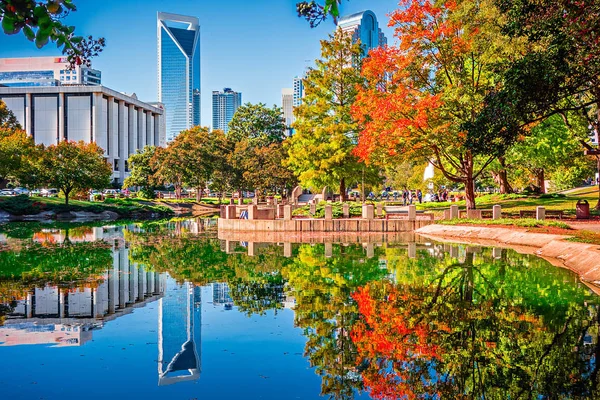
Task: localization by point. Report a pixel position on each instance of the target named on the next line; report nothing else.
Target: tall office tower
(178, 38)
(225, 104)
(298, 91)
(179, 330)
(287, 104)
(364, 26)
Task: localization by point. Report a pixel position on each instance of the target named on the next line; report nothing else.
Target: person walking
(420, 196)
(404, 196)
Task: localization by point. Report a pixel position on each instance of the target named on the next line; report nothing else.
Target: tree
(422, 96)
(550, 146)
(256, 133)
(7, 118)
(40, 22)
(258, 123)
(561, 70)
(142, 171)
(75, 166)
(321, 150)
(316, 13)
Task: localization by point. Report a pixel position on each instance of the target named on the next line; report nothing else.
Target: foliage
(316, 13)
(142, 171)
(355, 210)
(521, 222)
(257, 122)
(41, 22)
(75, 166)
(422, 95)
(320, 152)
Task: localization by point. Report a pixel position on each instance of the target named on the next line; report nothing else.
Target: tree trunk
(343, 190)
(198, 196)
(505, 187)
(539, 179)
(470, 192)
(66, 192)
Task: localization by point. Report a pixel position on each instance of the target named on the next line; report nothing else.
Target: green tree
(321, 150)
(70, 166)
(142, 171)
(315, 13)
(40, 22)
(258, 123)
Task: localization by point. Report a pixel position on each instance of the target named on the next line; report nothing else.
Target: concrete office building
(364, 27)
(287, 105)
(118, 123)
(45, 71)
(178, 38)
(224, 105)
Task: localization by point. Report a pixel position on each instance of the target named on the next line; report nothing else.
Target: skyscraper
(287, 104)
(364, 26)
(298, 91)
(224, 105)
(178, 38)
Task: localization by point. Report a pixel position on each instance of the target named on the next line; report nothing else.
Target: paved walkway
(593, 226)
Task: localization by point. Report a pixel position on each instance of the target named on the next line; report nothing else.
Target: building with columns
(118, 123)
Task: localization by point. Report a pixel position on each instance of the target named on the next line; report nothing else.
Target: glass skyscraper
(364, 27)
(178, 39)
(225, 104)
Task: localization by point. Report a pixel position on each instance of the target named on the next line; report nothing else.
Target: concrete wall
(321, 225)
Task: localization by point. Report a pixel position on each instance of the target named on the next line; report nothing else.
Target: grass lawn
(512, 204)
(24, 205)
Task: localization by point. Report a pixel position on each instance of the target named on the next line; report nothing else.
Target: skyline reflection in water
(243, 319)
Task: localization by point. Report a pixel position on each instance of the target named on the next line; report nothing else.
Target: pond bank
(581, 258)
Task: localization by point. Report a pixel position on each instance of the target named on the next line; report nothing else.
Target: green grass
(512, 204)
(24, 205)
(522, 222)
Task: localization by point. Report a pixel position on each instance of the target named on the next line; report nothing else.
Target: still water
(169, 311)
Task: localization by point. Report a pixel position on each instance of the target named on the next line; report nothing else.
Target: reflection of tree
(255, 283)
(325, 310)
(476, 330)
(70, 266)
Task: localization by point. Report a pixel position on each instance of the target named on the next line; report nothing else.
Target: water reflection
(380, 319)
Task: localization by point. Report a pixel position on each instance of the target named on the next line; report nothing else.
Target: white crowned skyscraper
(178, 38)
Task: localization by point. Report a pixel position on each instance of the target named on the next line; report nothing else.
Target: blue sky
(252, 46)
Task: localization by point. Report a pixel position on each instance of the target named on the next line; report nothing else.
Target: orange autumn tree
(422, 94)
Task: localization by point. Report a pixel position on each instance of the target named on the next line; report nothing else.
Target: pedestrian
(404, 196)
(420, 195)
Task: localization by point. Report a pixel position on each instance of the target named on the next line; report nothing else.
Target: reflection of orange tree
(468, 333)
(325, 310)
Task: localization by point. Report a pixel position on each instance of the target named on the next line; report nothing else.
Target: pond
(166, 310)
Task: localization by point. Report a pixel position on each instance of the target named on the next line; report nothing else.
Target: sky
(252, 46)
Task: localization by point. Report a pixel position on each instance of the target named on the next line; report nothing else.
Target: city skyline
(254, 64)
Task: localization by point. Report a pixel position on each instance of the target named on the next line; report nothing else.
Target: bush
(20, 205)
(552, 196)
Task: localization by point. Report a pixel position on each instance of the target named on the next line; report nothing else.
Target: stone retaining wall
(322, 225)
(581, 258)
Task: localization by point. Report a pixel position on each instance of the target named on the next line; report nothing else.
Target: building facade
(178, 38)
(287, 105)
(224, 106)
(364, 27)
(118, 123)
(298, 91)
(45, 71)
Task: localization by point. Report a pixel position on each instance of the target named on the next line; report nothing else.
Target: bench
(549, 213)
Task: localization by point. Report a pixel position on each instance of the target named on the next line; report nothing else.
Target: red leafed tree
(422, 94)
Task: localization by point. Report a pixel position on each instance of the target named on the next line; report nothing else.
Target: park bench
(549, 213)
(393, 212)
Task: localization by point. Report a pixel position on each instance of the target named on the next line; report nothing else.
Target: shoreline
(581, 258)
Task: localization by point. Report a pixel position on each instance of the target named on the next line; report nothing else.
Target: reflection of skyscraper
(221, 294)
(178, 39)
(178, 334)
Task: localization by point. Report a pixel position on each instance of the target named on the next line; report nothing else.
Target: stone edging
(581, 258)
